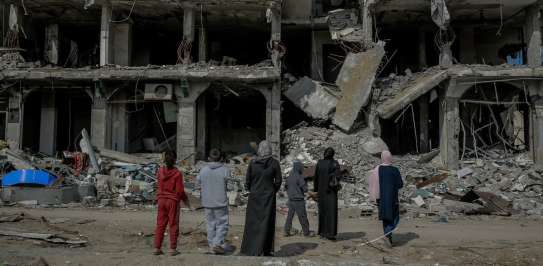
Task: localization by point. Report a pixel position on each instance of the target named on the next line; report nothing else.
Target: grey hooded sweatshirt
(296, 185)
(212, 179)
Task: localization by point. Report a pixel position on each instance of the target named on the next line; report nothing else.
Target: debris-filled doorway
(234, 116)
(494, 121)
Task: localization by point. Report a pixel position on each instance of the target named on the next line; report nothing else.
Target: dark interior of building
(493, 115)
(235, 116)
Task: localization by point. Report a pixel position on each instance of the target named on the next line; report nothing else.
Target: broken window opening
(494, 121)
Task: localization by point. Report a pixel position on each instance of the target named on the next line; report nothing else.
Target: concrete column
(188, 24)
(186, 130)
(276, 24)
(105, 36)
(119, 123)
(275, 137)
(201, 124)
(422, 49)
(450, 129)
(367, 21)
(533, 35)
(276, 37)
(423, 123)
(445, 56)
(51, 46)
(99, 123)
(273, 116)
(186, 120)
(15, 120)
(468, 51)
(202, 45)
(122, 43)
(48, 124)
(537, 133)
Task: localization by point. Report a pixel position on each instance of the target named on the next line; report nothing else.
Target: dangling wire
(127, 18)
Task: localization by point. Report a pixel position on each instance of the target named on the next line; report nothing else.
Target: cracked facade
(142, 76)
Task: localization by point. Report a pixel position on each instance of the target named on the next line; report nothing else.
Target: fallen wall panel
(313, 97)
(418, 87)
(355, 81)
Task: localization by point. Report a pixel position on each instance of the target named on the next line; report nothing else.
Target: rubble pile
(502, 185)
(120, 179)
(388, 87)
(10, 60)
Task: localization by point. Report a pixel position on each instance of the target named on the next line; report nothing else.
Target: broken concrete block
(88, 201)
(464, 172)
(28, 203)
(106, 202)
(316, 99)
(355, 80)
(419, 201)
(374, 145)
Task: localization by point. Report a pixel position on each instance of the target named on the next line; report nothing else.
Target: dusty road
(124, 237)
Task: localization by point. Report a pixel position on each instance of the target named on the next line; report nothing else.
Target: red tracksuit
(170, 192)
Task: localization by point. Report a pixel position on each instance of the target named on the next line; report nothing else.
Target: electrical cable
(127, 18)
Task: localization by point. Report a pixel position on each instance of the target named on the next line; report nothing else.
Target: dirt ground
(124, 237)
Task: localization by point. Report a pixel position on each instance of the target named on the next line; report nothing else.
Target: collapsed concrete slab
(355, 81)
(418, 87)
(316, 99)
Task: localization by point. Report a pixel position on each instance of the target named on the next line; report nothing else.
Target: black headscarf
(329, 153)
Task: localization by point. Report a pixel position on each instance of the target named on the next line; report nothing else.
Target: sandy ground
(124, 237)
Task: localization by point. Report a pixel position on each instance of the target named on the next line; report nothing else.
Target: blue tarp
(28, 177)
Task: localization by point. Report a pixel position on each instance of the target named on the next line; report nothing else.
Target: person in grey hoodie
(296, 187)
(212, 179)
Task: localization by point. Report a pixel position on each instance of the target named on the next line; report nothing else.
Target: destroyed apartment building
(456, 80)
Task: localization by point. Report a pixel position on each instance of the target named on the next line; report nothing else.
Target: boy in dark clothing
(296, 187)
(170, 192)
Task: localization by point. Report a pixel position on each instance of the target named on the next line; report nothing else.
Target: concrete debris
(11, 60)
(316, 99)
(51, 238)
(419, 201)
(514, 185)
(464, 172)
(342, 24)
(397, 92)
(440, 14)
(355, 80)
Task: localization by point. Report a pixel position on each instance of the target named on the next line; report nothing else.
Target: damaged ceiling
(77, 11)
(461, 10)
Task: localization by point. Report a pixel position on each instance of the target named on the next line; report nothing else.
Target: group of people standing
(263, 181)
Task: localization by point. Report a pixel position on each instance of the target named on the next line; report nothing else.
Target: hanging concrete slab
(418, 87)
(355, 80)
(316, 99)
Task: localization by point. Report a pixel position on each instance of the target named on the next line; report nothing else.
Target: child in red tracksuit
(170, 192)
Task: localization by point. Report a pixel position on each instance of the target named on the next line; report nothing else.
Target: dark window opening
(232, 121)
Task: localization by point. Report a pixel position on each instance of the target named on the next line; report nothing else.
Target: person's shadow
(401, 239)
(350, 236)
(295, 249)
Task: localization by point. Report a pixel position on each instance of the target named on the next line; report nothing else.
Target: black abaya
(327, 197)
(263, 180)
